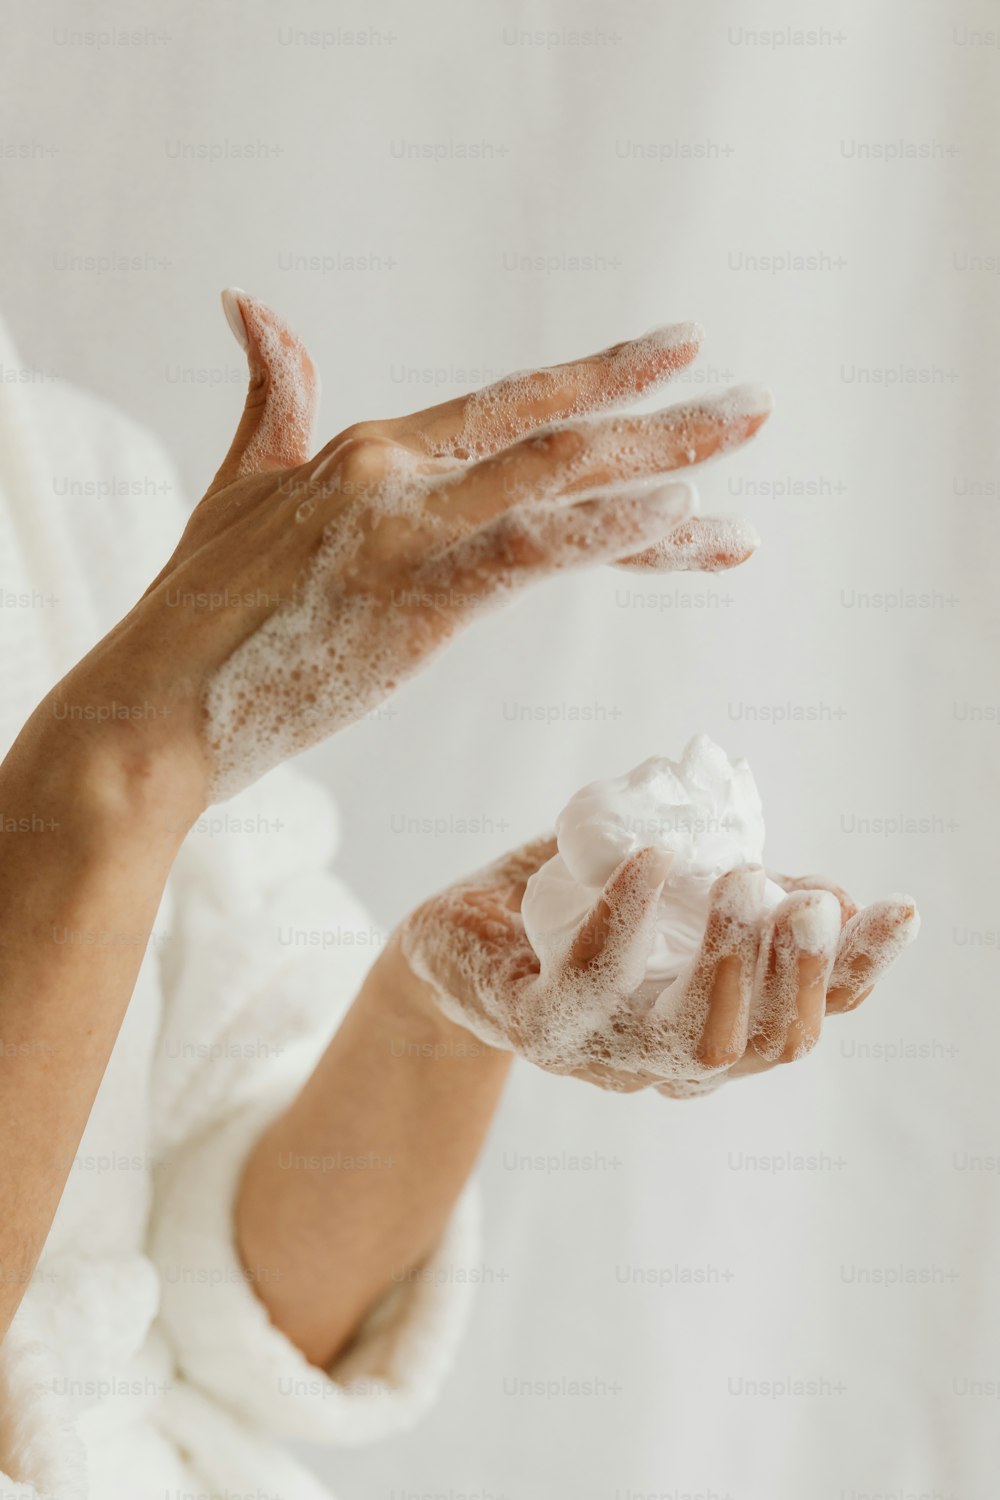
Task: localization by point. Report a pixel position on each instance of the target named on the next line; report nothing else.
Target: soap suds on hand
(340, 646)
(654, 889)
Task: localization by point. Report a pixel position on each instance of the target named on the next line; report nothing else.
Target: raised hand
(340, 574)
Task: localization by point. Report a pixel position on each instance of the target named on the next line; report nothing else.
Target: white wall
(901, 486)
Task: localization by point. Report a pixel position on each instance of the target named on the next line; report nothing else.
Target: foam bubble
(741, 401)
(674, 335)
(499, 414)
(815, 923)
(359, 624)
(703, 812)
(872, 940)
(653, 860)
(342, 644)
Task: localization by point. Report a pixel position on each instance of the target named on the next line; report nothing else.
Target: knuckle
(561, 444)
(360, 430)
(513, 545)
(361, 457)
(358, 449)
(543, 389)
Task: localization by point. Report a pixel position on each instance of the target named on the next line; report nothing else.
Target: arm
(367, 1163)
(80, 884)
(411, 1079)
(302, 591)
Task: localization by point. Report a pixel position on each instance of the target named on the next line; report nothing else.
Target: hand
(304, 589)
(754, 996)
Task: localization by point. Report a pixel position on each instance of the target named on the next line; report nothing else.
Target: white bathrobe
(141, 1362)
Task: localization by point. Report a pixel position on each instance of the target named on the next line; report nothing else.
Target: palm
(754, 996)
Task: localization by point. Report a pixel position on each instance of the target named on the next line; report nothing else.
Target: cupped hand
(753, 997)
(305, 588)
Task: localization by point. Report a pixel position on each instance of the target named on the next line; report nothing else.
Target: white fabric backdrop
(671, 149)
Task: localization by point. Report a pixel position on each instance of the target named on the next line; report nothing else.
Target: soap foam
(704, 812)
(651, 891)
(341, 646)
(708, 544)
(284, 431)
(872, 940)
(495, 416)
(622, 997)
(601, 1020)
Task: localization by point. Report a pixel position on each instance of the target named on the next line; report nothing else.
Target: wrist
(99, 779)
(414, 1003)
(393, 982)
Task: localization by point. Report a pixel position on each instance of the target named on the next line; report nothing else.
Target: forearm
(353, 1185)
(84, 854)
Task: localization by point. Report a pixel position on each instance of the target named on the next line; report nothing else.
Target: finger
(870, 942)
(613, 942)
(591, 453)
(848, 906)
(725, 966)
(606, 958)
(275, 430)
(496, 416)
(699, 1022)
(678, 499)
(707, 544)
(519, 548)
(796, 956)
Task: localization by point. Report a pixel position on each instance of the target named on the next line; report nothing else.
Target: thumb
(275, 430)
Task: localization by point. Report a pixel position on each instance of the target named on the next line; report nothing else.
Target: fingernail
(234, 316)
(815, 922)
(746, 531)
(740, 401)
(655, 866)
(908, 916)
(673, 335)
(739, 894)
(721, 541)
(677, 501)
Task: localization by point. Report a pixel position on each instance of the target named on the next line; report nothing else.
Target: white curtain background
(436, 194)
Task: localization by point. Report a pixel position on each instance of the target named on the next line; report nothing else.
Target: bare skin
(423, 1120)
(121, 793)
(412, 1096)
